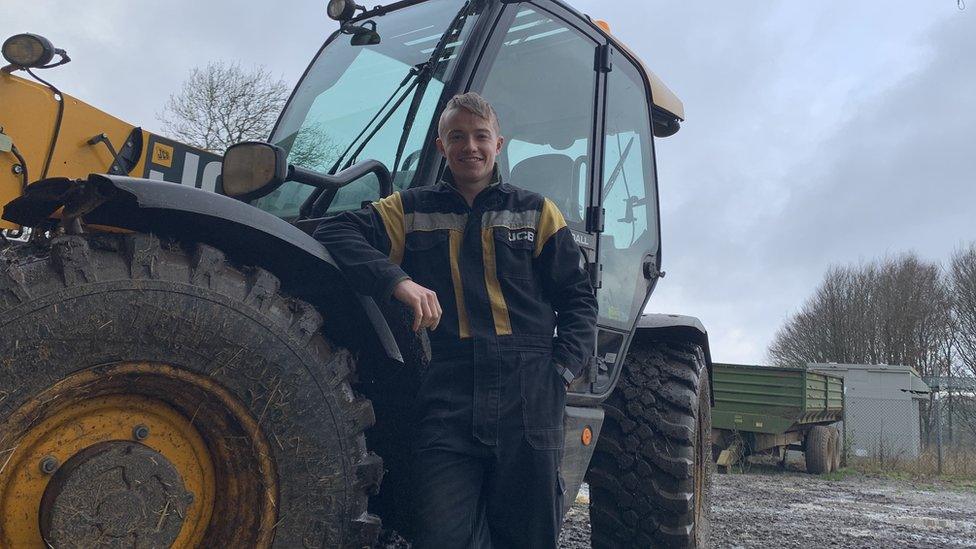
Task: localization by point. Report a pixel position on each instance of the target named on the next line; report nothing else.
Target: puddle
(931, 523)
(877, 508)
(808, 507)
(858, 533)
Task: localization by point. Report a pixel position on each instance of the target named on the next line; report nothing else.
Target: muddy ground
(769, 508)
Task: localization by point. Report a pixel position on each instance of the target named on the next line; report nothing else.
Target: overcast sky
(817, 133)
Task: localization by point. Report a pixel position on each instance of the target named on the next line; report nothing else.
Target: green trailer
(769, 410)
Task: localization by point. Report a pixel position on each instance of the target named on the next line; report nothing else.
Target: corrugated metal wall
(882, 410)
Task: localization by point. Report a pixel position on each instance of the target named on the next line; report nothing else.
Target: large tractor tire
(651, 474)
(817, 450)
(155, 395)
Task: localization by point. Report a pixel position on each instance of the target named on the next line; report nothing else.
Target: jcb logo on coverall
(521, 235)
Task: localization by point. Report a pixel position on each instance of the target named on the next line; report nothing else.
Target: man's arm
(568, 288)
(368, 246)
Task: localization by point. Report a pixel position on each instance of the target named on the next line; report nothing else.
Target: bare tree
(894, 311)
(962, 280)
(311, 147)
(223, 104)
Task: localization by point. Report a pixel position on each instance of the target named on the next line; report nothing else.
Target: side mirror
(253, 169)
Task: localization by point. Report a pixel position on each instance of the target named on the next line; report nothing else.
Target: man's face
(470, 144)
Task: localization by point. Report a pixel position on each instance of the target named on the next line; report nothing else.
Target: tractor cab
(577, 109)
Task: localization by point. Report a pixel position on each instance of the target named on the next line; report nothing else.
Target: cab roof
(661, 94)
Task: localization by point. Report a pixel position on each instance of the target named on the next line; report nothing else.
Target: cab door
(629, 245)
(576, 119)
(544, 84)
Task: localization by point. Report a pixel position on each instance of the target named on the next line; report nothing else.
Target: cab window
(628, 187)
(543, 86)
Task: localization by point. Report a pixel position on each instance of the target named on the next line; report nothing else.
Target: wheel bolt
(140, 432)
(49, 465)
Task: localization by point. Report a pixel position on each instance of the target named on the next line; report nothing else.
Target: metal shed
(881, 409)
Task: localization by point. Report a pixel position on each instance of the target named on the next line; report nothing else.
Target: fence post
(843, 421)
(938, 431)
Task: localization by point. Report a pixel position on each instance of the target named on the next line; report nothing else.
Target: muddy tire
(233, 381)
(817, 450)
(837, 449)
(651, 473)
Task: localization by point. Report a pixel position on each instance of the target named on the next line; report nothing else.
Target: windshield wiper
(618, 168)
(308, 206)
(419, 77)
(425, 78)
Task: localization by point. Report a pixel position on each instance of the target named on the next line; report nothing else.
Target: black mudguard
(678, 327)
(247, 235)
(670, 327)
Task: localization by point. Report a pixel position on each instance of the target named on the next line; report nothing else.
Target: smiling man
(493, 271)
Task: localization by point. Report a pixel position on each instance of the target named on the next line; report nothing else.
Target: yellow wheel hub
(121, 452)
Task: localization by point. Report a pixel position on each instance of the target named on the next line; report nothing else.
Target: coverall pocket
(426, 255)
(543, 400)
(513, 252)
(420, 241)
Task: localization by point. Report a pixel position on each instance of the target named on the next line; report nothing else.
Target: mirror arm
(341, 179)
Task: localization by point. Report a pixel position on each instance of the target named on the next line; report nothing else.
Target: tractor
(183, 365)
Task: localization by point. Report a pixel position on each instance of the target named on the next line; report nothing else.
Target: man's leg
(524, 506)
(523, 492)
(449, 507)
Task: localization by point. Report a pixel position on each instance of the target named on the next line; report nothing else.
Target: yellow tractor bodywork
(28, 115)
(29, 118)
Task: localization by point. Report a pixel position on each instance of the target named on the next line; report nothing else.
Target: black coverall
(518, 324)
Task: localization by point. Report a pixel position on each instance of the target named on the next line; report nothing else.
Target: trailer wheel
(651, 473)
(837, 448)
(159, 396)
(817, 450)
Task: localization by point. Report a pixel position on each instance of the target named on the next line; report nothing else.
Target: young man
(493, 271)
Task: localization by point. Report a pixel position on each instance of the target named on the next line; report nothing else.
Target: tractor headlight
(341, 10)
(28, 50)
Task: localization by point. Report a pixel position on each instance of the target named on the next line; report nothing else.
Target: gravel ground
(796, 510)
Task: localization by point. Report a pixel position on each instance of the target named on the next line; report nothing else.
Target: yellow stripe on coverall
(391, 211)
(455, 244)
(550, 221)
(499, 310)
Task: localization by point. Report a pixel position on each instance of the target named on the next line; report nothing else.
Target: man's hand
(426, 308)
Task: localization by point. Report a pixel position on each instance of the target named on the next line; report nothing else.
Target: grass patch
(950, 482)
(958, 464)
(840, 474)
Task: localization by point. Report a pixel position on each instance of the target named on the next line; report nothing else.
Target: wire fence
(919, 436)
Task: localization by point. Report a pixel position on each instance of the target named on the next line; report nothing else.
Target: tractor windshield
(353, 102)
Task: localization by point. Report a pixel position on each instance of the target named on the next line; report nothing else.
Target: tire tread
(43, 271)
(642, 473)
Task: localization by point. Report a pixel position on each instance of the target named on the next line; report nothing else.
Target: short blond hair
(474, 104)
